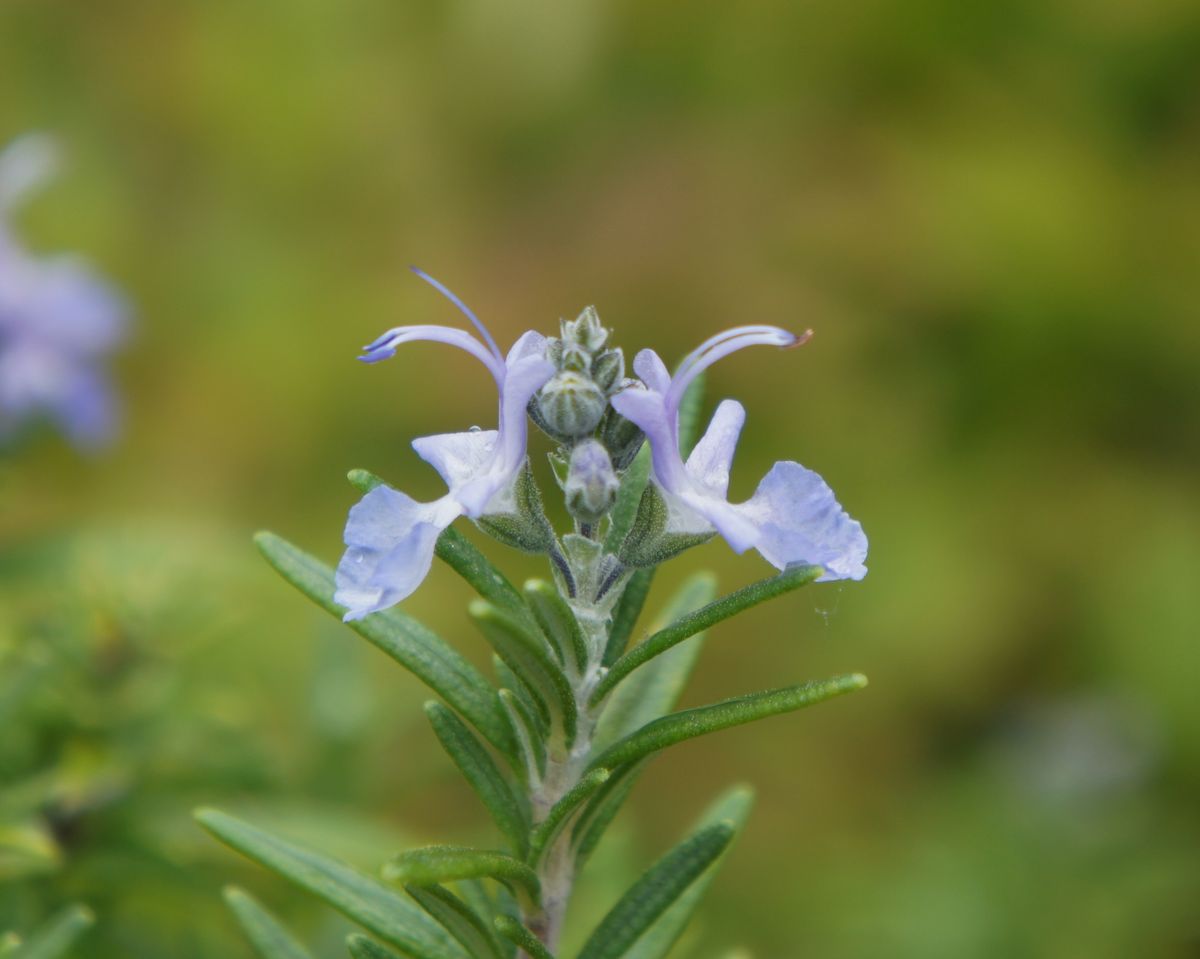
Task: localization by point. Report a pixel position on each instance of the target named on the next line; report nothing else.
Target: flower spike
(792, 517)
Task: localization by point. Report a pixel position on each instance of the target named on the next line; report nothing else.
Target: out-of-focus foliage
(990, 214)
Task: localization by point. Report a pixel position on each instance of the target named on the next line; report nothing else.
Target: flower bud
(609, 369)
(586, 331)
(571, 405)
(591, 486)
(574, 358)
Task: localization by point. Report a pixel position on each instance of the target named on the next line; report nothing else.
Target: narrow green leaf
(625, 616)
(690, 723)
(629, 495)
(559, 814)
(473, 933)
(363, 948)
(559, 624)
(474, 893)
(522, 938)
(368, 902)
(655, 689)
(56, 937)
(270, 938)
(474, 762)
(653, 894)
(656, 942)
(599, 812)
(530, 698)
(401, 637)
(689, 625)
(433, 865)
(527, 733)
(461, 555)
(527, 655)
(364, 480)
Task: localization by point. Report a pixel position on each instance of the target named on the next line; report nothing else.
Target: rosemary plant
(554, 745)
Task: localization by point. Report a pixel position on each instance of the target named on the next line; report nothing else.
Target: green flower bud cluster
(598, 444)
(573, 403)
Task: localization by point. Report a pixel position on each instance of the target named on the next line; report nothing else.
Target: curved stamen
(721, 346)
(385, 346)
(463, 308)
(721, 338)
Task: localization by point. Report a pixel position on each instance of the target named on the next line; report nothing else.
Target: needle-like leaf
(475, 893)
(558, 623)
(474, 762)
(461, 555)
(56, 937)
(658, 889)
(401, 637)
(473, 933)
(522, 938)
(367, 901)
(629, 495)
(689, 625)
(527, 732)
(656, 942)
(530, 698)
(601, 809)
(562, 811)
(363, 948)
(270, 938)
(656, 688)
(527, 654)
(690, 723)
(433, 865)
(626, 613)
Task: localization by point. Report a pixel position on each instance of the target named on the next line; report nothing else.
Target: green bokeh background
(989, 213)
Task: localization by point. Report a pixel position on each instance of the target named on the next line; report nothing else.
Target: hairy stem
(556, 869)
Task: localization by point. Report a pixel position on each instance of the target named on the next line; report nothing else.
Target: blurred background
(989, 213)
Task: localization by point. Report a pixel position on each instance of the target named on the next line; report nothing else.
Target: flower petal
(73, 307)
(800, 521)
(458, 457)
(649, 366)
(530, 343)
(87, 410)
(712, 457)
(390, 540)
(647, 410)
(525, 376)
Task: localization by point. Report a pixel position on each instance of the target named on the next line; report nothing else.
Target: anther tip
(799, 340)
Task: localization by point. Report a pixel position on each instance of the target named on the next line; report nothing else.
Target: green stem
(556, 870)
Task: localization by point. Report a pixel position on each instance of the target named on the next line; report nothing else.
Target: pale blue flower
(58, 320)
(390, 537)
(792, 516)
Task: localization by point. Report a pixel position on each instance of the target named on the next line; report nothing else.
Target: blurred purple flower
(58, 319)
(390, 537)
(792, 517)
